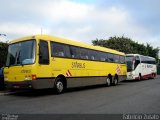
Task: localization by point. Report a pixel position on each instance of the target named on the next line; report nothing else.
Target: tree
(3, 53)
(127, 46)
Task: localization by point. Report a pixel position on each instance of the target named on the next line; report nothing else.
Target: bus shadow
(134, 81)
(93, 87)
(32, 93)
(45, 92)
(131, 81)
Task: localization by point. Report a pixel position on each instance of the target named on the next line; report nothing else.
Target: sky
(82, 20)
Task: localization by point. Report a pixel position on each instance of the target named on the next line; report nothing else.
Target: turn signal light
(34, 77)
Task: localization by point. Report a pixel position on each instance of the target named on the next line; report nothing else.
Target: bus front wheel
(139, 77)
(59, 86)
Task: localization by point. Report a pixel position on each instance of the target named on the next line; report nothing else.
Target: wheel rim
(115, 81)
(139, 78)
(153, 75)
(59, 86)
(108, 82)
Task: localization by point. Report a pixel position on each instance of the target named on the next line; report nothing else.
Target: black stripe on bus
(75, 77)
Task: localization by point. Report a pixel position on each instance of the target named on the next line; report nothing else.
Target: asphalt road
(127, 97)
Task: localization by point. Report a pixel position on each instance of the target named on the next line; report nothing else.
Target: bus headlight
(28, 77)
(5, 78)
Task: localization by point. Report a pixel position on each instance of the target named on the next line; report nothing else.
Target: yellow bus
(44, 61)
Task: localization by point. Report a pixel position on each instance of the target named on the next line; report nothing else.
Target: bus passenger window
(59, 50)
(84, 53)
(122, 59)
(93, 55)
(102, 56)
(116, 58)
(110, 57)
(75, 52)
(54, 49)
(43, 52)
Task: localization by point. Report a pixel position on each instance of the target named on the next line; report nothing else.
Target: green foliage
(127, 46)
(3, 53)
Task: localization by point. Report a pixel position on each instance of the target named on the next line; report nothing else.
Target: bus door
(137, 67)
(137, 61)
(44, 67)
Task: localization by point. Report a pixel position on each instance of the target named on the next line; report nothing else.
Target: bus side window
(57, 50)
(122, 59)
(116, 58)
(43, 52)
(106, 54)
(110, 57)
(153, 61)
(91, 54)
(102, 56)
(84, 53)
(75, 52)
(60, 50)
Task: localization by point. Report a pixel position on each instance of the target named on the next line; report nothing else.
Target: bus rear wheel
(108, 81)
(153, 76)
(59, 86)
(115, 82)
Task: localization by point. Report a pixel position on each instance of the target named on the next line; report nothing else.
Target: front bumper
(30, 84)
(19, 85)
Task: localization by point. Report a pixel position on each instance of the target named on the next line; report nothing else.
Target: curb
(2, 93)
(5, 92)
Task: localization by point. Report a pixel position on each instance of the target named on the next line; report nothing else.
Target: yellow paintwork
(59, 66)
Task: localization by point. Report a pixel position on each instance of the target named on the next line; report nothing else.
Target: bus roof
(139, 55)
(67, 41)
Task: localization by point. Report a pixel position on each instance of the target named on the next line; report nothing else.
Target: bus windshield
(21, 53)
(129, 61)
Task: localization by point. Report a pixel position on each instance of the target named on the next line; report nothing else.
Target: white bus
(140, 67)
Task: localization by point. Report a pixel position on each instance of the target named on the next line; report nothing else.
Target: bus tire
(140, 76)
(115, 81)
(108, 81)
(153, 76)
(59, 86)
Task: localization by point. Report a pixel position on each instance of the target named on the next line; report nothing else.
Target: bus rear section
(140, 67)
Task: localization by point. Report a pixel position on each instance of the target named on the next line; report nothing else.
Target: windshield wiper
(18, 56)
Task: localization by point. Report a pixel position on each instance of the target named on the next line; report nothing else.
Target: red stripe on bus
(69, 73)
